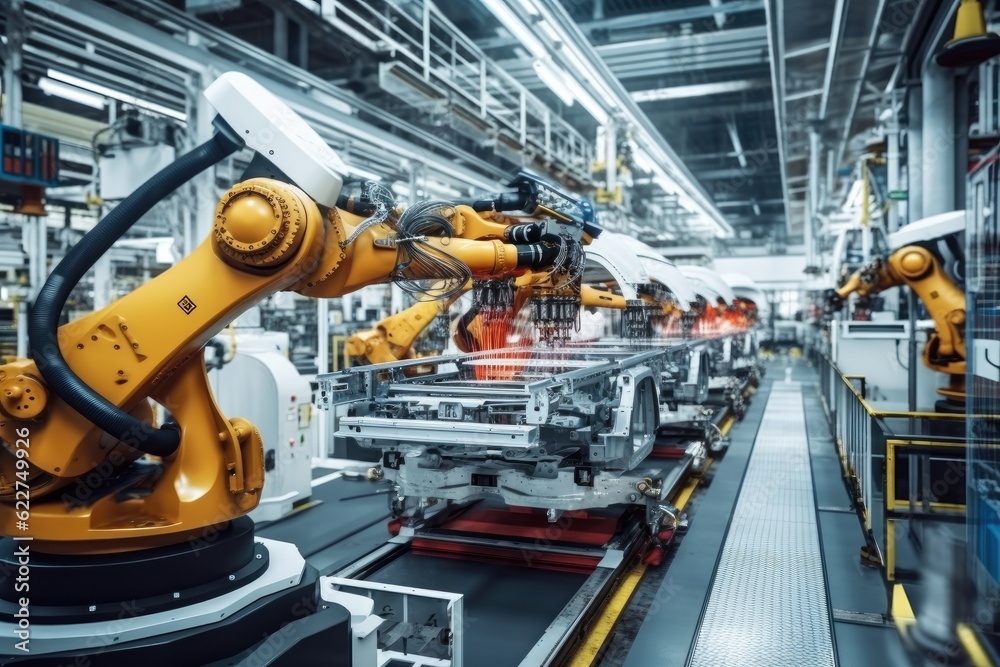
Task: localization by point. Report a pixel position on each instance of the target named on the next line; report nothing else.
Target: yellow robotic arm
(393, 337)
(267, 236)
(918, 268)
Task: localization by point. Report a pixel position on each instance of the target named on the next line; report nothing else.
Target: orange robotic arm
(918, 268)
(268, 236)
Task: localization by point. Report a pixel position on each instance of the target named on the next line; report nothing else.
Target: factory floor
(765, 599)
(768, 573)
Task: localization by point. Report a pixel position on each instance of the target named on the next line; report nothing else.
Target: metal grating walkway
(768, 603)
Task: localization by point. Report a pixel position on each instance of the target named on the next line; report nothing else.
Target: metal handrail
(870, 453)
(443, 55)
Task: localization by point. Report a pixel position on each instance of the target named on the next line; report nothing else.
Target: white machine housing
(277, 133)
(878, 350)
(662, 270)
(263, 385)
(928, 229)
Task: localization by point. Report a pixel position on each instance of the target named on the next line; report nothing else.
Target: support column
(914, 154)
(610, 158)
(961, 139)
(892, 165)
(12, 116)
(812, 209)
(938, 163)
(203, 195)
(831, 174)
(303, 46)
(12, 65)
(324, 422)
(102, 282)
(281, 35)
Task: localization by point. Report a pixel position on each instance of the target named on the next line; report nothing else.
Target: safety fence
(899, 467)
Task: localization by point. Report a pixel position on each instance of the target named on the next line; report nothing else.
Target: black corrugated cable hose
(43, 325)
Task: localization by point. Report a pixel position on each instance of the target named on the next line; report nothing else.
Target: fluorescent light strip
(555, 79)
(572, 57)
(50, 87)
(550, 32)
(524, 34)
(696, 90)
(513, 24)
(592, 106)
(363, 174)
(116, 95)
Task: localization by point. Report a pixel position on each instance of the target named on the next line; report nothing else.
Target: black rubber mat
(347, 508)
(869, 646)
(507, 608)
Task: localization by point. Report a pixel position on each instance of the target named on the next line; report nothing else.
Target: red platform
(573, 528)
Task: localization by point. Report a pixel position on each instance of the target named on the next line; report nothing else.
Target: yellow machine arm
(918, 268)
(393, 337)
(268, 236)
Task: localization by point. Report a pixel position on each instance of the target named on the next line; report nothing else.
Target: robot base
(230, 598)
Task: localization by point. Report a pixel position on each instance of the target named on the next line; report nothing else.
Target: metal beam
(776, 49)
(721, 174)
(803, 95)
(749, 202)
(806, 50)
(686, 15)
(836, 32)
(697, 43)
(872, 39)
(728, 154)
(734, 136)
(670, 56)
(708, 112)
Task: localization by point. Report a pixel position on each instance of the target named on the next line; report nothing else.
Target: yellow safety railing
(891, 477)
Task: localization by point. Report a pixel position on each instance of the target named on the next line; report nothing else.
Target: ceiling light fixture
(50, 87)
(116, 95)
(363, 174)
(513, 24)
(697, 90)
(555, 79)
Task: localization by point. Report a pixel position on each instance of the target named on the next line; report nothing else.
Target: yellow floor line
(973, 648)
(685, 493)
(605, 624)
(902, 612)
(598, 634)
(306, 505)
(726, 425)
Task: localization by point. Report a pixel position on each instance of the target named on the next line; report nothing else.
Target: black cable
(44, 322)
(419, 261)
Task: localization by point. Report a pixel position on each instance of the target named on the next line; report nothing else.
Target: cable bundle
(421, 266)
